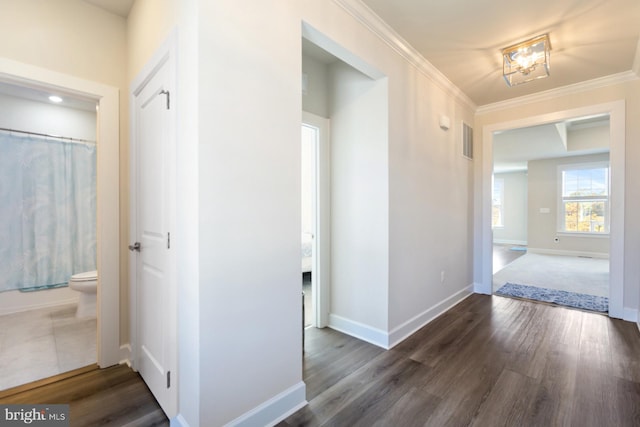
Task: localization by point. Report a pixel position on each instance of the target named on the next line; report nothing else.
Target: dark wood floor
(114, 396)
(489, 361)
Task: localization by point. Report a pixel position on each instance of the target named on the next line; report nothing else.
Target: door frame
(109, 351)
(616, 111)
(166, 54)
(321, 260)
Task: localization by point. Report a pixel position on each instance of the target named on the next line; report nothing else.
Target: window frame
(561, 219)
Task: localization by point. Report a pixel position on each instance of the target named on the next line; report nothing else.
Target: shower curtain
(47, 211)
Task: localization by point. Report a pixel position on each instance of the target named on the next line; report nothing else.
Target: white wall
(240, 154)
(543, 193)
(514, 230)
(359, 198)
(315, 100)
(52, 119)
(23, 114)
(249, 207)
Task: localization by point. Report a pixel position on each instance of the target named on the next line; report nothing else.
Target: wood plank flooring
(114, 396)
(489, 361)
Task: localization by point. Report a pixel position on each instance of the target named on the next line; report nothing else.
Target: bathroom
(47, 234)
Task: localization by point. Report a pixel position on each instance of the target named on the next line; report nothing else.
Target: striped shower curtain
(47, 211)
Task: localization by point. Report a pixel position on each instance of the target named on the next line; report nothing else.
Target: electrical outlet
(442, 276)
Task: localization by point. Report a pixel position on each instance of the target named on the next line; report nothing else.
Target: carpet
(553, 296)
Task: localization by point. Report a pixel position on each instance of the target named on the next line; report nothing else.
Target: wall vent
(467, 141)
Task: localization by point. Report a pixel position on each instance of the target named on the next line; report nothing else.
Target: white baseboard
(16, 301)
(510, 242)
(125, 354)
(546, 251)
(275, 409)
(399, 334)
(359, 330)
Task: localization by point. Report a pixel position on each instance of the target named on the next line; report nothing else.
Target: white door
(153, 144)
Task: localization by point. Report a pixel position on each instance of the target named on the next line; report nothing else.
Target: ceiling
(513, 149)
(463, 39)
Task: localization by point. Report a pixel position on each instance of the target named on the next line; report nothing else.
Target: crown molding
(363, 14)
(558, 92)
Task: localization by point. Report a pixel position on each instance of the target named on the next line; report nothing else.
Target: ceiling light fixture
(526, 61)
(56, 99)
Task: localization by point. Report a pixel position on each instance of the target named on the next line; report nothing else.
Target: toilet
(87, 284)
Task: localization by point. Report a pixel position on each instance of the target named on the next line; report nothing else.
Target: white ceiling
(513, 149)
(463, 39)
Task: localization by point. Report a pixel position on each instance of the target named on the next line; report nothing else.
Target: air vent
(467, 141)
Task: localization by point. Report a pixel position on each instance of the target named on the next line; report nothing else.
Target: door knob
(135, 247)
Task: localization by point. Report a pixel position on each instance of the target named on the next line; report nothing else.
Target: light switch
(545, 210)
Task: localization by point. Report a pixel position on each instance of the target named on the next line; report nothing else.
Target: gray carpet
(566, 273)
(557, 297)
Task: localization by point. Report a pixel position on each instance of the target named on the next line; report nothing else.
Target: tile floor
(40, 343)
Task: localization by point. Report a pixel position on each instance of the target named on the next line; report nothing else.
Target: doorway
(484, 239)
(550, 211)
(108, 190)
(315, 221)
(48, 167)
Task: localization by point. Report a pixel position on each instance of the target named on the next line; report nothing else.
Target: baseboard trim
(359, 330)
(545, 251)
(275, 409)
(125, 355)
(510, 242)
(399, 334)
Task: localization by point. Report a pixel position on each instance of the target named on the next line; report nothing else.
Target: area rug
(553, 296)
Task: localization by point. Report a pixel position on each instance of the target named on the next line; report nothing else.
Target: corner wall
(359, 204)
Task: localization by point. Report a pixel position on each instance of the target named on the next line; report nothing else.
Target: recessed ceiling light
(54, 98)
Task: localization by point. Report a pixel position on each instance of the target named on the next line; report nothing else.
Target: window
(584, 198)
(497, 204)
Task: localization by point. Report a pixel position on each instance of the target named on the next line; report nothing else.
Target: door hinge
(168, 379)
(166, 92)
(168, 240)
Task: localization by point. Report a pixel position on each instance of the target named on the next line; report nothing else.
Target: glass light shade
(526, 61)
